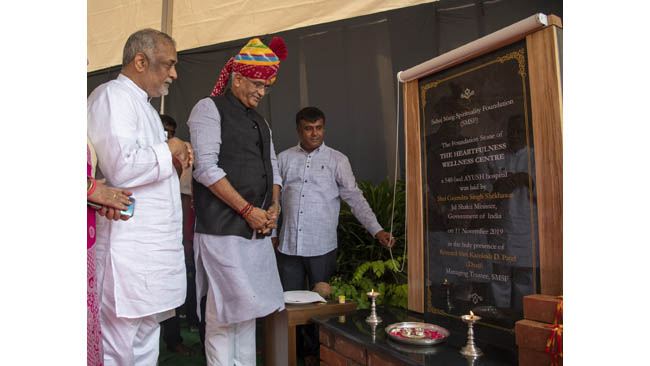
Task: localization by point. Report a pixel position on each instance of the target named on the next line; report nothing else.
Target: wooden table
(280, 329)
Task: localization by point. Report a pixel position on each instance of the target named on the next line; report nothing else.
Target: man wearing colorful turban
(236, 202)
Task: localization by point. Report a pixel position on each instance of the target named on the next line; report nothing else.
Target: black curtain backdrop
(347, 69)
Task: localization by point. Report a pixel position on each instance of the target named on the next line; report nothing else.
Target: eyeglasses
(259, 85)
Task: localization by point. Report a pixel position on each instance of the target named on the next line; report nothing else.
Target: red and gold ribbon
(554, 342)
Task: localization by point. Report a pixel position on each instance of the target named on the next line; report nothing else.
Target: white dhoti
(228, 344)
(241, 280)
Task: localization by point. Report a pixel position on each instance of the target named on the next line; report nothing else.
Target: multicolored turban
(255, 61)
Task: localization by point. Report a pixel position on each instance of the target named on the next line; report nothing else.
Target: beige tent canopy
(196, 23)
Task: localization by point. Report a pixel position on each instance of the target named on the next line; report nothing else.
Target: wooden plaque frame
(544, 52)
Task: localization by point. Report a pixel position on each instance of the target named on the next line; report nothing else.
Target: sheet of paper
(302, 297)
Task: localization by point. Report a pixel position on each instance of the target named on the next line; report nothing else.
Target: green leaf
(362, 263)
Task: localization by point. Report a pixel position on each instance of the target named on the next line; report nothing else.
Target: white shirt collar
(318, 149)
(126, 80)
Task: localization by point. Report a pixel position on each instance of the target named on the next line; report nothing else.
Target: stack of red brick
(336, 350)
(533, 332)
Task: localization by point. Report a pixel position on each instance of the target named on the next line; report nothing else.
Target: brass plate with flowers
(421, 334)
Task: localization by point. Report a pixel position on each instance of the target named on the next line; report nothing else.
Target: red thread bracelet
(248, 212)
(240, 212)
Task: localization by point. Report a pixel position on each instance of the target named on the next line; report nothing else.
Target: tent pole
(166, 27)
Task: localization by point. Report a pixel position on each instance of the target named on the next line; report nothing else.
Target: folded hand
(181, 151)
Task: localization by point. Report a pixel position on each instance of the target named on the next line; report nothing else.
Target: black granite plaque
(479, 189)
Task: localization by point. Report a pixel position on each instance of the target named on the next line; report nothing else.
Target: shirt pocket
(322, 173)
(324, 181)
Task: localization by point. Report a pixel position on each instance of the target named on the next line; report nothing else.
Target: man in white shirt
(140, 262)
(315, 178)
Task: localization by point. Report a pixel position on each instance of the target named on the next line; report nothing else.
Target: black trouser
(171, 329)
(190, 300)
(293, 272)
(204, 300)
(294, 269)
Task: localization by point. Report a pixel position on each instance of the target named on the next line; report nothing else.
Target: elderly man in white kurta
(140, 261)
(236, 202)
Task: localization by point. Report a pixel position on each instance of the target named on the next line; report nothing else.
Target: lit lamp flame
(471, 315)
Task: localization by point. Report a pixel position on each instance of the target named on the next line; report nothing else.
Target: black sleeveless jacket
(245, 156)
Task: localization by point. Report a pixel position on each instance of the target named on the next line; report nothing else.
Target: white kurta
(145, 253)
(242, 274)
